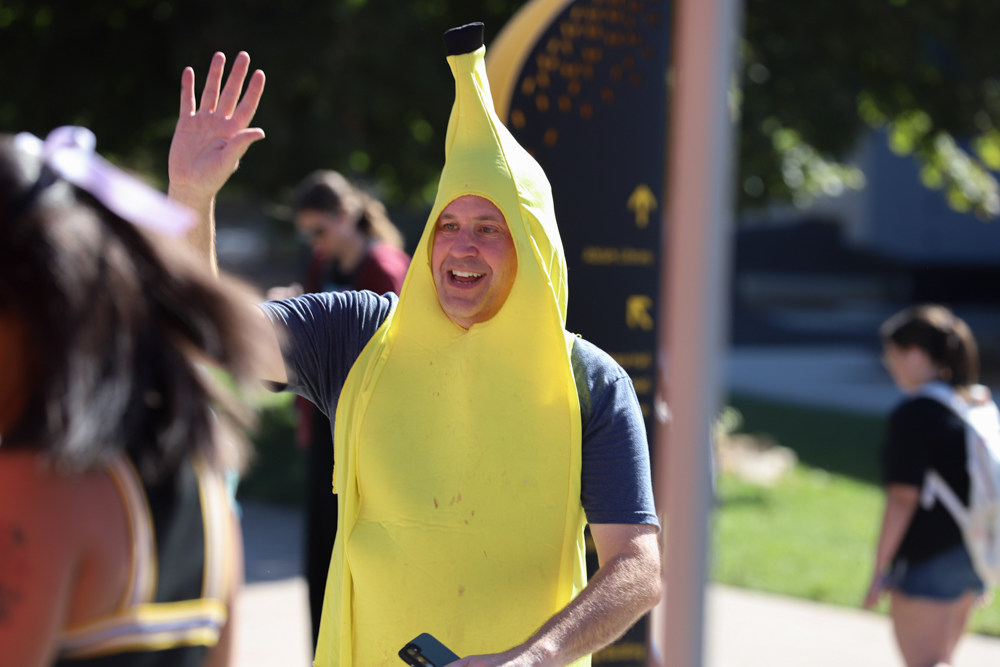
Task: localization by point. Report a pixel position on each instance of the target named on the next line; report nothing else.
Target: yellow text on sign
(610, 256)
(637, 312)
(641, 202)
(639, 360)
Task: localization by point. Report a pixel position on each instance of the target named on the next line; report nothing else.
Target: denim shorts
(946, 576)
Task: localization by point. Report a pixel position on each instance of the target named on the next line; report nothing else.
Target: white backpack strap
(936, 487)
(946, 395)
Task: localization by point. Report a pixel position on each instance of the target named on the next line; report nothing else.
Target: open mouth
(465, 277)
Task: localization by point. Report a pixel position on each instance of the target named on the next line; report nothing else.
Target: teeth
(467, 274)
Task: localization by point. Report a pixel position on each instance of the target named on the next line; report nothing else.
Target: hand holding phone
(425, 651)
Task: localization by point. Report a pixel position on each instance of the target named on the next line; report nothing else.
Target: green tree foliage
(361, 86)
(819, 74)
(357, 85)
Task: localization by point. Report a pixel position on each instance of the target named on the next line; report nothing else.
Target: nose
(464, 244)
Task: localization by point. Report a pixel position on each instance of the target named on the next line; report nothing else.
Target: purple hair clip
(69, 152)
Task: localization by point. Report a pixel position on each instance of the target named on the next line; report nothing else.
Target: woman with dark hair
(921, 558)
(118, 545)
(355, 247)
(350, 231)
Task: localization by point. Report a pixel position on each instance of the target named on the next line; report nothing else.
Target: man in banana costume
(474, 437)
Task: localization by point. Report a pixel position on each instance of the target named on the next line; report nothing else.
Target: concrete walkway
(751, 629)
(744, 628)
(273, 625)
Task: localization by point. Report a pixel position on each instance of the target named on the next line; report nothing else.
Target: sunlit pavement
(273, 625)
(745, 628)
(751, 629)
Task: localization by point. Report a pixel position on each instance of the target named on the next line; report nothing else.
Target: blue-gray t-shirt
(326, 332)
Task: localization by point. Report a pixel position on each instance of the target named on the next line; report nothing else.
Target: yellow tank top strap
(140, 623)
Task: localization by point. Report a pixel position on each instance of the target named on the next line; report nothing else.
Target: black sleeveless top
(175, 604)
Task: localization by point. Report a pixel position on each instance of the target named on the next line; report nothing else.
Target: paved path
(273, 625)
(744, 629)
(750, 629)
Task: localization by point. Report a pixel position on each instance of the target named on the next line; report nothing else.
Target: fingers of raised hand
(210, 95)
(187, 92)
(238, 145)
(234, 84)
(248, 105)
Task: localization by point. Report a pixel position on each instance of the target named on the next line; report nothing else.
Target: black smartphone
(425, 651)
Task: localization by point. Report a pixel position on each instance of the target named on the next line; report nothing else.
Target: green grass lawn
(812, 535)
(832, 440)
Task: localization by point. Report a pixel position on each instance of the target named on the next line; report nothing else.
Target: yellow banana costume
(459, 451)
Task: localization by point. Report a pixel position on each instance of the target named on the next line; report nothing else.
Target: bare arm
(900, 504)
(626, 586)
(208, 142)
(38, 560)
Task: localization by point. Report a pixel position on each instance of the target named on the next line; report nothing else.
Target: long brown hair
(329, 192)
(945, 338)
(115, 320)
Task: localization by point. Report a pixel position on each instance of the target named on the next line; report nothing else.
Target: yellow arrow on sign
(637, 312)
(641, 202)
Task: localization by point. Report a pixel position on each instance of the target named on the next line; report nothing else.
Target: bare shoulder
(63, 544)
(32, 489)
(62, 515)
(39, 552)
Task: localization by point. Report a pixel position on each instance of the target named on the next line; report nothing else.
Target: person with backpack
(923, 557)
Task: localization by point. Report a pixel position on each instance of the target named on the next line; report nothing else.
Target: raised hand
(210, 140)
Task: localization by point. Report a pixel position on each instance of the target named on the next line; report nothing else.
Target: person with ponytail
(355, 247)
(118, 545)
(921, 558)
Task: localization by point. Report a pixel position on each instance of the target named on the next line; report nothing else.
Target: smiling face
(473, 261)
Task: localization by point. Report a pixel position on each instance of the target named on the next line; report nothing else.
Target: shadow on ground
(272, 541)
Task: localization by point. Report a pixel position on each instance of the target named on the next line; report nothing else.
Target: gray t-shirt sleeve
(616, 486)
(323, 335)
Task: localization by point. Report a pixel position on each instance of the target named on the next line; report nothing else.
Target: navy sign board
(582, 85)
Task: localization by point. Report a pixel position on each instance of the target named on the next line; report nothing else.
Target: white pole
(697, 229)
